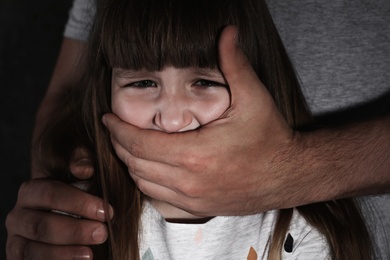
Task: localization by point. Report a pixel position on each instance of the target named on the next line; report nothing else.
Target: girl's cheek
(221, 104)
(134, 112)
(214, 108)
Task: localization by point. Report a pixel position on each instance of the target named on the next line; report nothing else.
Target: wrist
(304, 170)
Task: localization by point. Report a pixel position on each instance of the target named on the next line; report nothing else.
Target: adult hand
(228, 167)
(36, 232)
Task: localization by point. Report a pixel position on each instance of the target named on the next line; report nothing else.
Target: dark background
(30, 38)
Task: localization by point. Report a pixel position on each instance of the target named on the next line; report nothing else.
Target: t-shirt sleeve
(304, 241)
(80, 19)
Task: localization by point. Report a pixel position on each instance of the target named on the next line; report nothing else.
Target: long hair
(152, 34)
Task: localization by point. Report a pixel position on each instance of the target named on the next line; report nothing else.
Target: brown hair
(149, 34)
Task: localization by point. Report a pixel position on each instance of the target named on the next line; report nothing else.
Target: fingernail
(100, 234)
(101, 214)
(82, 254)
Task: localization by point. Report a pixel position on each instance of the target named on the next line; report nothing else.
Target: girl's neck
(176, 215)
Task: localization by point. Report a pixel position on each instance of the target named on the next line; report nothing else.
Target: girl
(155, 65)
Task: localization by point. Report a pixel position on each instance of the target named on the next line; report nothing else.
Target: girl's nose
(175, 116)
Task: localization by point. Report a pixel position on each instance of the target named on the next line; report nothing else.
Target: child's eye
(142, 84)
(209, 83)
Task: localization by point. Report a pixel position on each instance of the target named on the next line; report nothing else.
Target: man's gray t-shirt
(341, 51)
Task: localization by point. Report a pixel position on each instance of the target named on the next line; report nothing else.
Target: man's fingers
(54, 228)
(173, 197)
(154, 190)
(131, 138)
(33, 223)
(19, 248)
(164, 174)
(53, 195)
(146, 144)
(80, 164)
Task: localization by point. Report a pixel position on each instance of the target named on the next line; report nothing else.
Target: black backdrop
(30, 37)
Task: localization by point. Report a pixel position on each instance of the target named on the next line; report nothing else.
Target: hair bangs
(155, 34)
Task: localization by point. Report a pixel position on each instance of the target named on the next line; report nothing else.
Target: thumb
(80, 164)
(245, 86)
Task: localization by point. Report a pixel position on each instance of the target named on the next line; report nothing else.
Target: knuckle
(131, 164)
(36, 228)
(189, 189)
(46, 192)
(193, 207)
(197, 162)
(49, 194)
(73, 232)
(9, 220)
(15, 248)
(27, 224)
(142, 186)
(135, 147)
(25, 188)
(86, 206)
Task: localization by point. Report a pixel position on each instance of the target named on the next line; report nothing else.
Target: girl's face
(170, 100)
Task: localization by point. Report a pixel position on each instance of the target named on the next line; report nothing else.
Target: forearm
(66, 75)
(341, 162)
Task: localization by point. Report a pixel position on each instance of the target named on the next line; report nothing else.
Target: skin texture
(270, 166)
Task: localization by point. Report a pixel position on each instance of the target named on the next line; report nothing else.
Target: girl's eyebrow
(207, 72)
(124, 73)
